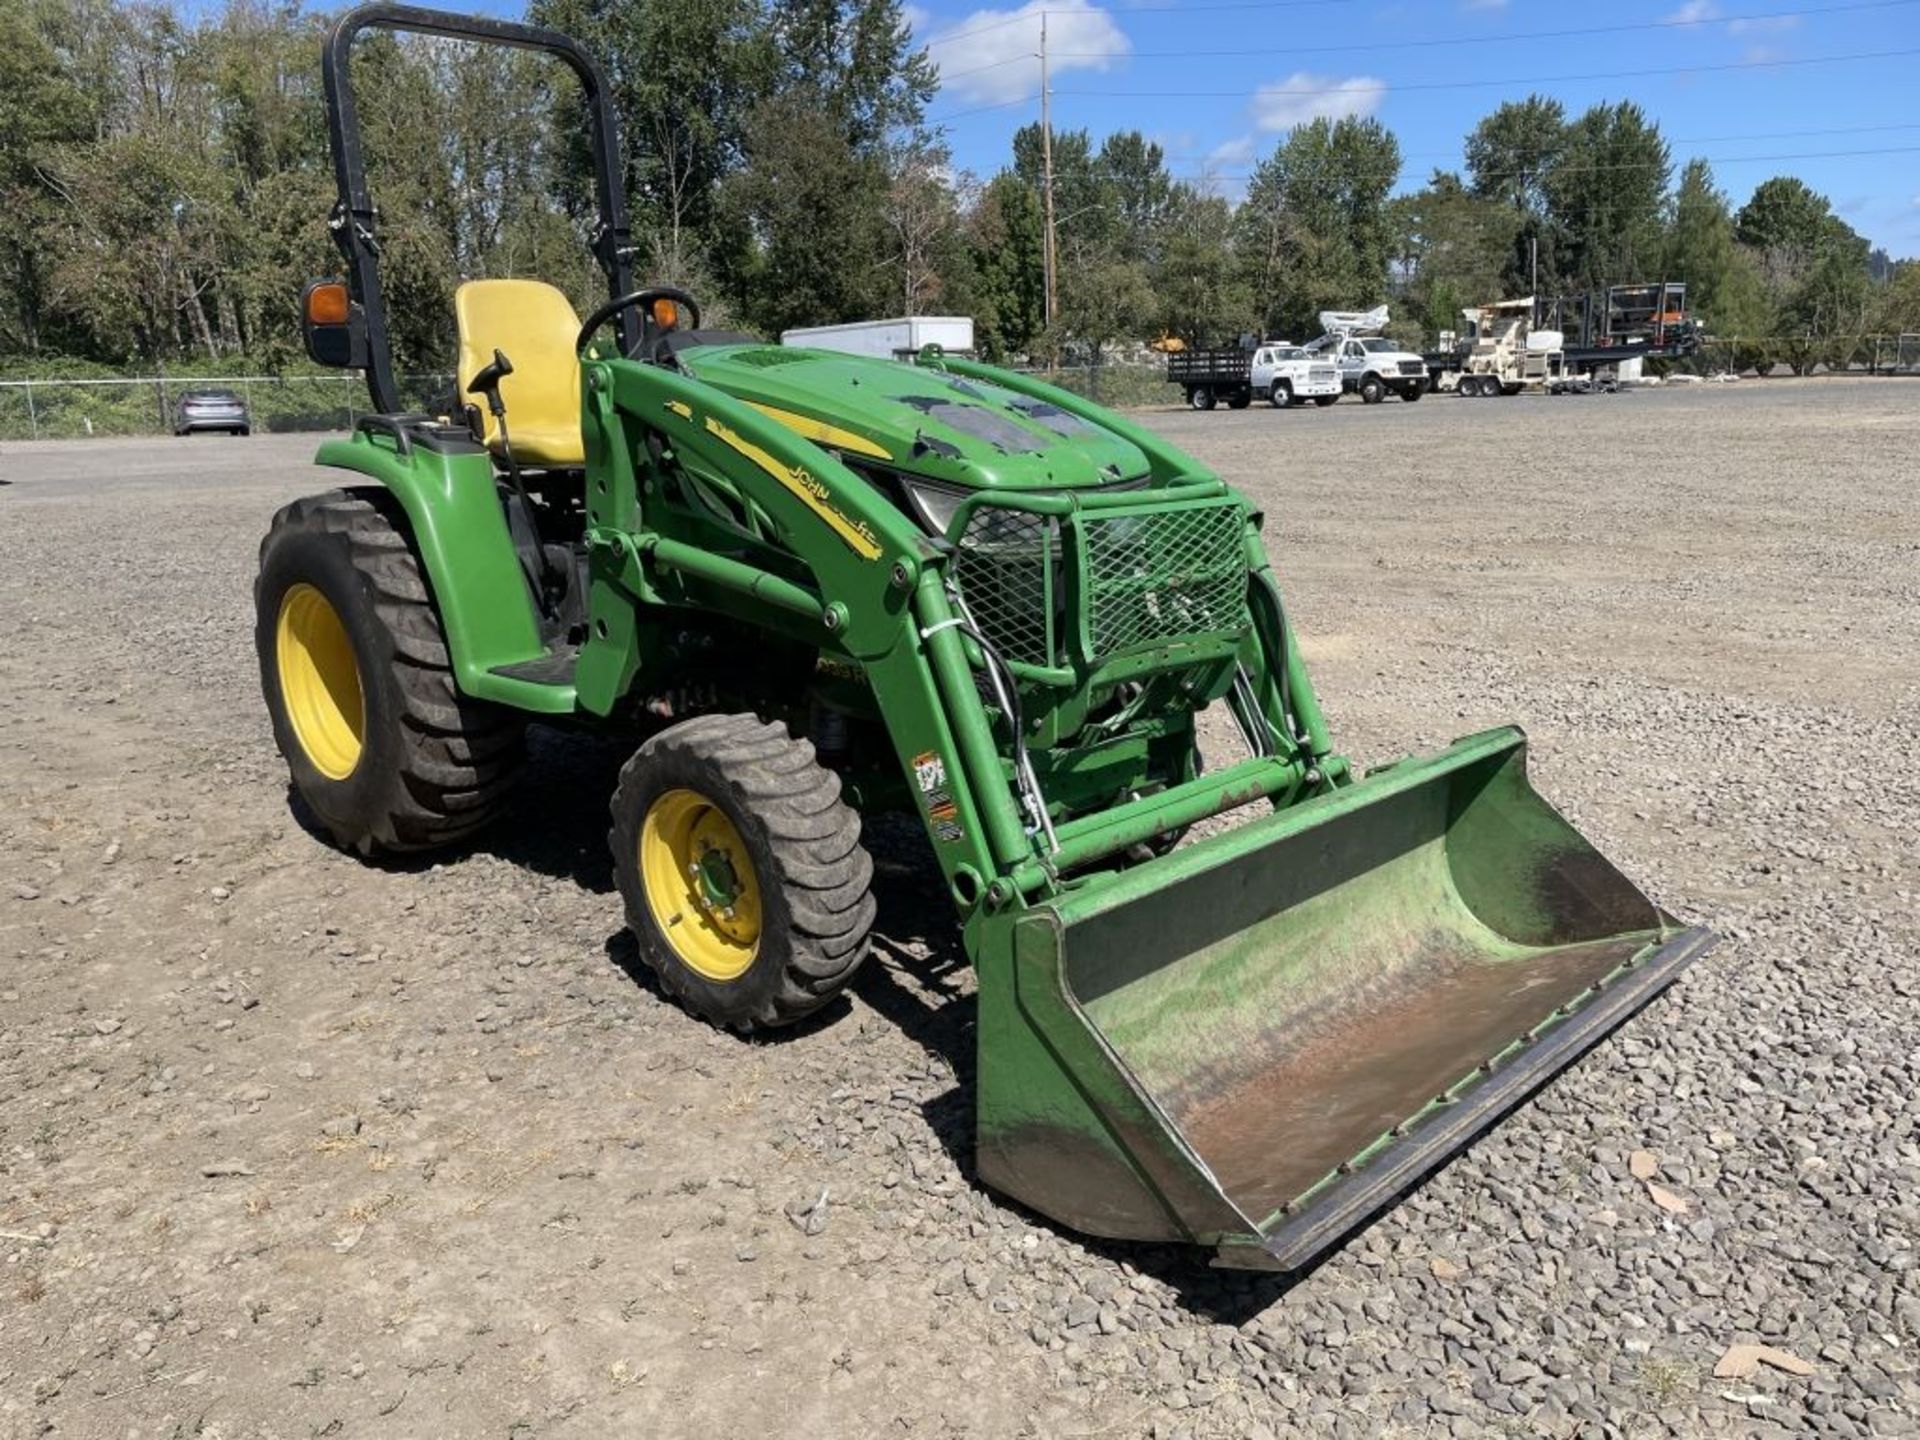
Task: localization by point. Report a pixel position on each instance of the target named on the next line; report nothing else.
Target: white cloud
(992, 56)
(1695, 12)
(1302, 97)
(1236, 151)
(1763, 25)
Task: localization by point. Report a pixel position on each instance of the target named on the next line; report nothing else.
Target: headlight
(934, 504)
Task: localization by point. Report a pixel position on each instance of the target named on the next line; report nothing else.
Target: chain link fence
(1766, 355)
(61, 409)
(1119, 385)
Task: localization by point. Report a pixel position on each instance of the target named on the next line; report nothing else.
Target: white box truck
(888, 339)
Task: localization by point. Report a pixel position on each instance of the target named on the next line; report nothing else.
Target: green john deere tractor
(824, 586)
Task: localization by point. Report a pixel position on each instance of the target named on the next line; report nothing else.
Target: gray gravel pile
(296, 1145)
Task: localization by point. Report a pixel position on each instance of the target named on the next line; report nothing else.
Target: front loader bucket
(1260, 1041)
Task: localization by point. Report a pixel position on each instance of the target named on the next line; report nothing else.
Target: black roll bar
(354, 220)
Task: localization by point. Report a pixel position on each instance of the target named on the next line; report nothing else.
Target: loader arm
(871, 585)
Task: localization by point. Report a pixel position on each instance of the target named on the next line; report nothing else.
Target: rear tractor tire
(384, 749)
(745, 882)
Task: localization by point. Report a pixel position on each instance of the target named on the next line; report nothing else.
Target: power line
(1264, 90)
(1301, 92)
(1669, 24)
(1675, 141)
(943, 39)
(983, 109)
(1208, 172)
(946, 75)
(1025, 16)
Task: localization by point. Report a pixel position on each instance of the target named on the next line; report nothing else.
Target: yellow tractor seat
(535, 327)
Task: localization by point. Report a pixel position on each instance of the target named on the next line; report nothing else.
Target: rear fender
(460, 535)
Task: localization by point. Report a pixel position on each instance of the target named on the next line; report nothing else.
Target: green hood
(919, 420)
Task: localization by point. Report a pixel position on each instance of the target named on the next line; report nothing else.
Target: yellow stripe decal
(805, 488)
(681, 408)
(821, 432)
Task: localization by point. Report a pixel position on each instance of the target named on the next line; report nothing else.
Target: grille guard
(1074, 587)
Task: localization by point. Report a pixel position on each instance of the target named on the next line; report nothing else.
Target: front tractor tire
(386, 752)
(746, 886)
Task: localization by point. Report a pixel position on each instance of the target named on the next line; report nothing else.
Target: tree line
(165, 186)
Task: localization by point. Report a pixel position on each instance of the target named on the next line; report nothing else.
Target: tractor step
(554, 668)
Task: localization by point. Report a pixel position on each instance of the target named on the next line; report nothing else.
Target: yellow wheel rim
(700, 884)
(320, 682)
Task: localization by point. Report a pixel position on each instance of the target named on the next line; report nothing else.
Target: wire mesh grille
(1008, 570)
(1157, 576)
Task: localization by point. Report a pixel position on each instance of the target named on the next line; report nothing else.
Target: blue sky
(1217, 83)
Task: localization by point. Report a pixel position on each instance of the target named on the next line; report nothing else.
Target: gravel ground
(292, 1145)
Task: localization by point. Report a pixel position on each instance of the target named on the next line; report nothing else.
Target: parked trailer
(897, 339)
(1500, 352)
(1604, 329)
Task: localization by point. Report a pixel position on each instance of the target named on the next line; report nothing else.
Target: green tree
(1606, 195)
(1724, 289)
(1004, 237)
(1510, 156)
(45, 108)
(815, 208)
(922, 217)
(1200, 297)
(685, 76)
(1897, 309)
(1812, 267)
(1133, 185)
(1453, 247)
(1512, 152)
(1787, 218)
(1314, 232)
(1102, 302)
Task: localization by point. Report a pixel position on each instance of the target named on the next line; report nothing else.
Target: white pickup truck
(1371, 366)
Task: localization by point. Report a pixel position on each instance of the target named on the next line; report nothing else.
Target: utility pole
(1048, 261)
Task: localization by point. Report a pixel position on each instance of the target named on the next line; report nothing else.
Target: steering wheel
(642, 300)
